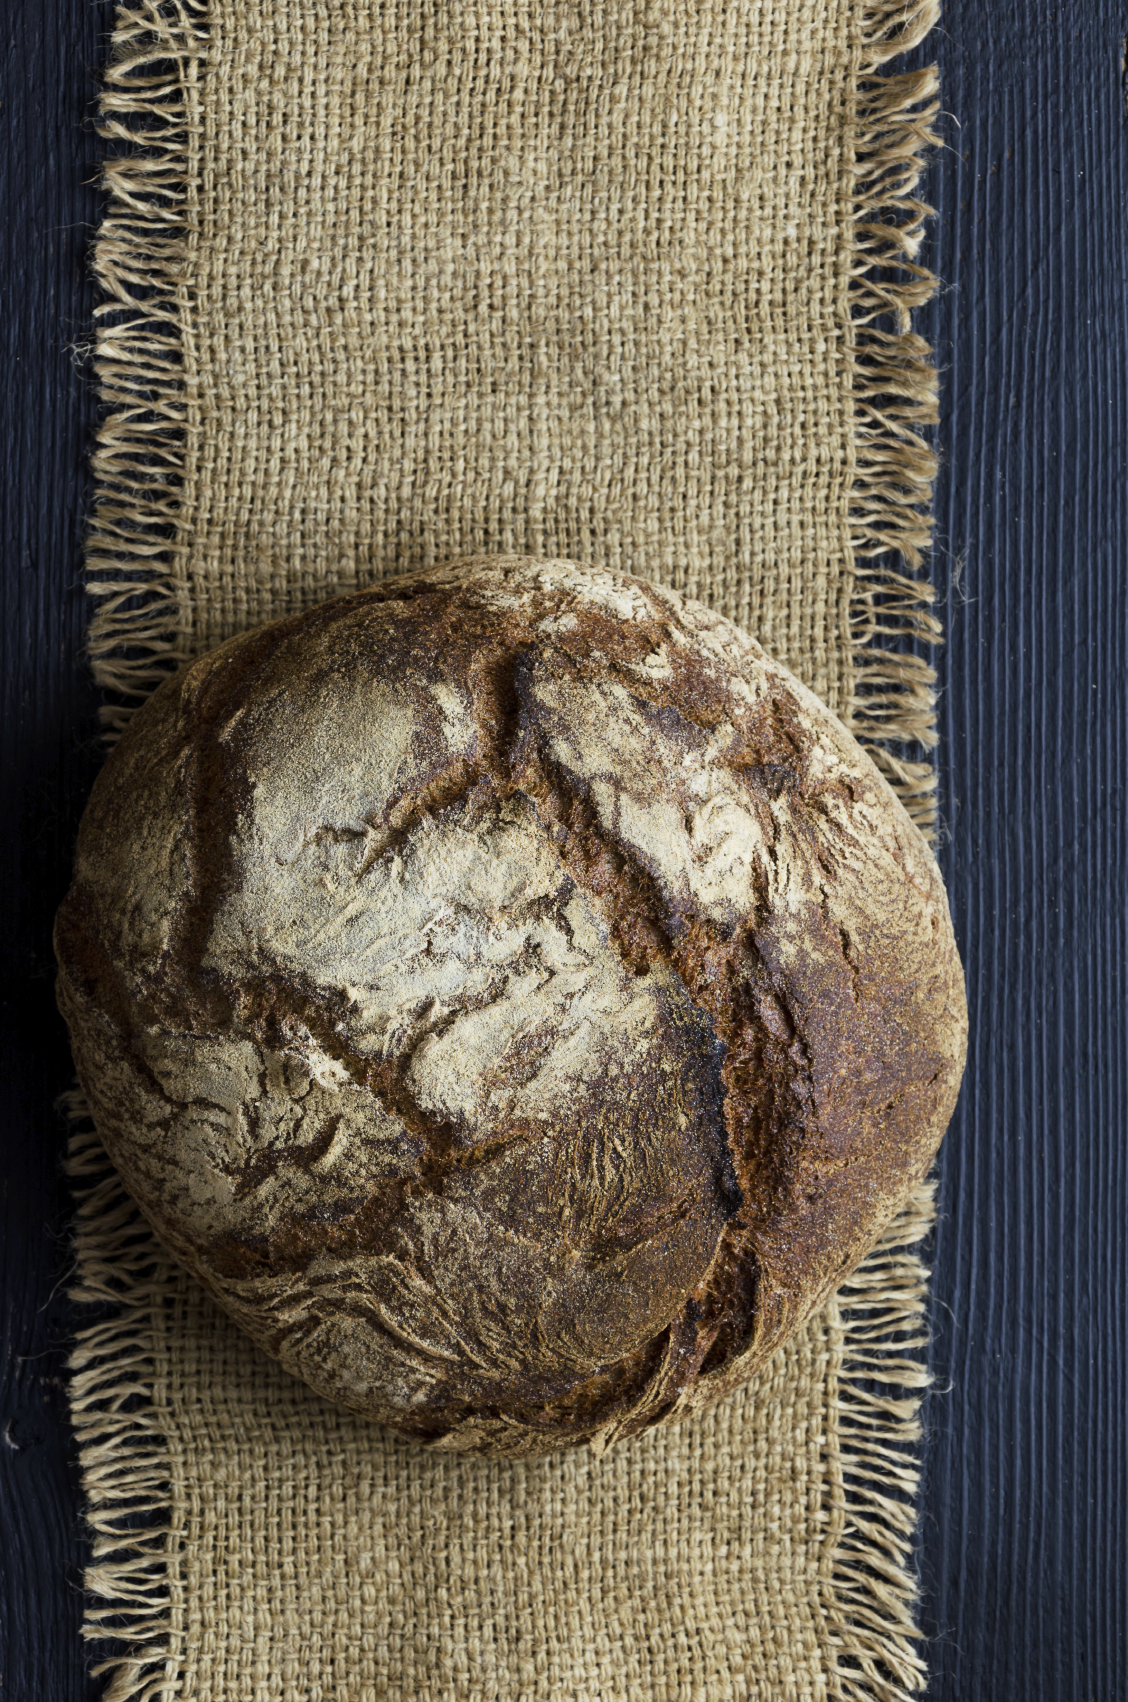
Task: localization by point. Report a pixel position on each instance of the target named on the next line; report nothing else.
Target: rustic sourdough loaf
(512, 994)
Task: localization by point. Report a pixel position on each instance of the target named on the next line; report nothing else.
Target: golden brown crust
(512, 994)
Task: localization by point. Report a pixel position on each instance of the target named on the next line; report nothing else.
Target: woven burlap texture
(388, 283)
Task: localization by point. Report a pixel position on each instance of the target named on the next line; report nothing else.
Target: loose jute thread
(895, 395)
(150, 112)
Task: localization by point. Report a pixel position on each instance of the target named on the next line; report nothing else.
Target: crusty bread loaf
(513, 995)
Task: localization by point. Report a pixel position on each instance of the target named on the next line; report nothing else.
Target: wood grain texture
(1026, 1536)
(47, 207)
(1025, 1540)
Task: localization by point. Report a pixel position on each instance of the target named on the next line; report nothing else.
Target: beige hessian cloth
(389, 282)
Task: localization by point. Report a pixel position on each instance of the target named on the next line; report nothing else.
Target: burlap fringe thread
(895, 394)
(123, 1450)
(150, 105)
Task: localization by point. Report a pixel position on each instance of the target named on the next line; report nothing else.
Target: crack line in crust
(717, 1320)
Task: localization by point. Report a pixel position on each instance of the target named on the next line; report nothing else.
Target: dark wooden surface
(48, 154)
(1025, 1557)
(1025, 1536)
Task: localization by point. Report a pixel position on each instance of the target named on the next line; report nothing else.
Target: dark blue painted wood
(1026, 1512)
(1026, 1535)
(47, 160)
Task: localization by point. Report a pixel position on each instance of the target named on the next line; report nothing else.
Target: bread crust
(513, 995)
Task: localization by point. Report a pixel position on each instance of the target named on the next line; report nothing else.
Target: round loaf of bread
(514, 996)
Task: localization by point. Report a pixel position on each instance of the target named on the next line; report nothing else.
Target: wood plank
(48, 157)
(1025, 1534)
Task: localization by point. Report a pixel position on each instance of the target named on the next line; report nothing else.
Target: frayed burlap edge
(892, 704)
(870, 1588)
(867, 1587)
(150, 112)
(124, 1449)
(150, 109)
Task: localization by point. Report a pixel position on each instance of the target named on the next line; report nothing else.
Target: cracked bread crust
(513, 995)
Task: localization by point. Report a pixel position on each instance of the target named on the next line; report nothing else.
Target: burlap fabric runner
(388, 283)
